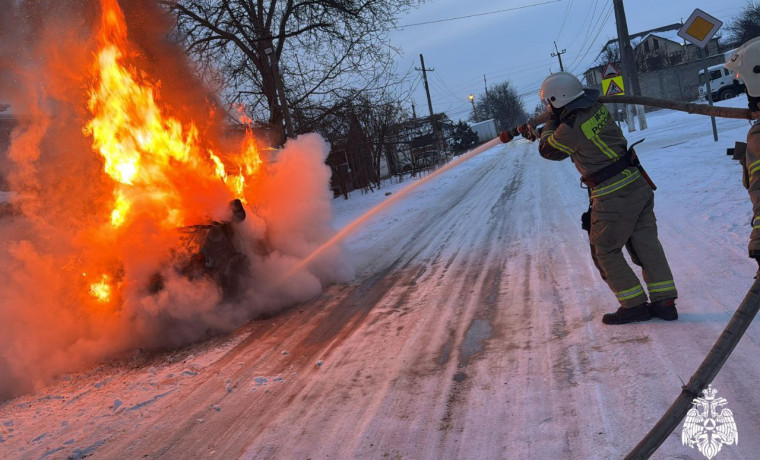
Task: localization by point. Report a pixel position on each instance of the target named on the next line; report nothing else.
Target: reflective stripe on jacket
(588, 134)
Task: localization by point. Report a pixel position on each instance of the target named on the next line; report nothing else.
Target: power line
(593, 42)
(564, 19)
(589, 14)
(448, 92)
(412, 89)
(594, 20)
(598, 25)
(476, 15)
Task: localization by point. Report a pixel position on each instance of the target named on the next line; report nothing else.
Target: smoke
(59, 242)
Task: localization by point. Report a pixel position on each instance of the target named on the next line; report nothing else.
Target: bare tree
(362, 128)
(502, 104)
(274, 55)
(746, 25)
(378, 119)
(610, 53)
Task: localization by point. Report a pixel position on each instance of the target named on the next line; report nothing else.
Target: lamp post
(472, 101)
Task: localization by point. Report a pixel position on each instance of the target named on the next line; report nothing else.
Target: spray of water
(353, 226)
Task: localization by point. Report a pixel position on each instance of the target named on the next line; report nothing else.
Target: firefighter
(621, 211)
(745, 62)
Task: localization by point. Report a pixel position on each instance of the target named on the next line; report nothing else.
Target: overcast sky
(517, 45)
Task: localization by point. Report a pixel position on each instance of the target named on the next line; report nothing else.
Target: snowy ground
(472, 330)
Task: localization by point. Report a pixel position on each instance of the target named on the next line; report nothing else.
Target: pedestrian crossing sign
(613, 86)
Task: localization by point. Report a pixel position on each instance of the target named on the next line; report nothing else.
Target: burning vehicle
(209, 250)
(158, 165)
(132, 216)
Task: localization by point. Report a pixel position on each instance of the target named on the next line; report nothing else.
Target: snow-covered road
(472, 330)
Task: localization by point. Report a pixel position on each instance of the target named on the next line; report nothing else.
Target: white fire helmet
(558, 89)
(745, 62)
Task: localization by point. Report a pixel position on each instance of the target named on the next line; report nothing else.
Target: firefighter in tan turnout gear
(745, 62)
(621, 196)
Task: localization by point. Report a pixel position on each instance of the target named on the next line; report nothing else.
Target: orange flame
(150, 155)
(102, 289)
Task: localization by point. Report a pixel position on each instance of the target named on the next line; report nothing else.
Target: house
(416, 144)
(668, 66)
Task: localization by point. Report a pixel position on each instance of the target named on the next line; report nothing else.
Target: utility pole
(559, 56)
(436, 130)
(427, 88)
(486, 85)
(414, 112)
(630, 75)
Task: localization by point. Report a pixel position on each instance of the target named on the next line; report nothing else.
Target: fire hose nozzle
(508, 135)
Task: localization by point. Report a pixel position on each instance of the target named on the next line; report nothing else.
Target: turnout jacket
(622, 206)
(587, 133)
(752, 182)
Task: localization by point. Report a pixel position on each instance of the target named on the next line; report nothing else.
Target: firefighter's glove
(528, 130)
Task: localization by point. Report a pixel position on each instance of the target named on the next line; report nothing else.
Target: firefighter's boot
(664, 309)
(628, 315)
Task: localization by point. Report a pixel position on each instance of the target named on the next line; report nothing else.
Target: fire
(137, 141)
(120, 209)
(102, 289)
(153, 159)
(248, 165)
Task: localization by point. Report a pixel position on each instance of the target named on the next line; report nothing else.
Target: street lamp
(471, 97)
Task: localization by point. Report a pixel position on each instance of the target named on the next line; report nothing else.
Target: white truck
(722, 83)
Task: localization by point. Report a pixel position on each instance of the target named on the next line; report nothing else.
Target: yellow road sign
(699, 28)
(613, 86)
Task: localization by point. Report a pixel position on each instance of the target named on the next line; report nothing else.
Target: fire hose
(739, 322)
(689, 107)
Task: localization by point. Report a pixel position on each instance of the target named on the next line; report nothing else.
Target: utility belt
(627, 161)
(593, 180)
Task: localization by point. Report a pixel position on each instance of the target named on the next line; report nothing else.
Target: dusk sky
(513, 40)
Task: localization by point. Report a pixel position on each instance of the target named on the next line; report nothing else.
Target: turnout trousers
(626, 218)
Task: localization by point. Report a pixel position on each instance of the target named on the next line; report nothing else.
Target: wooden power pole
(427, 88)
(630, 75)
(559, 56)
(436, 128)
